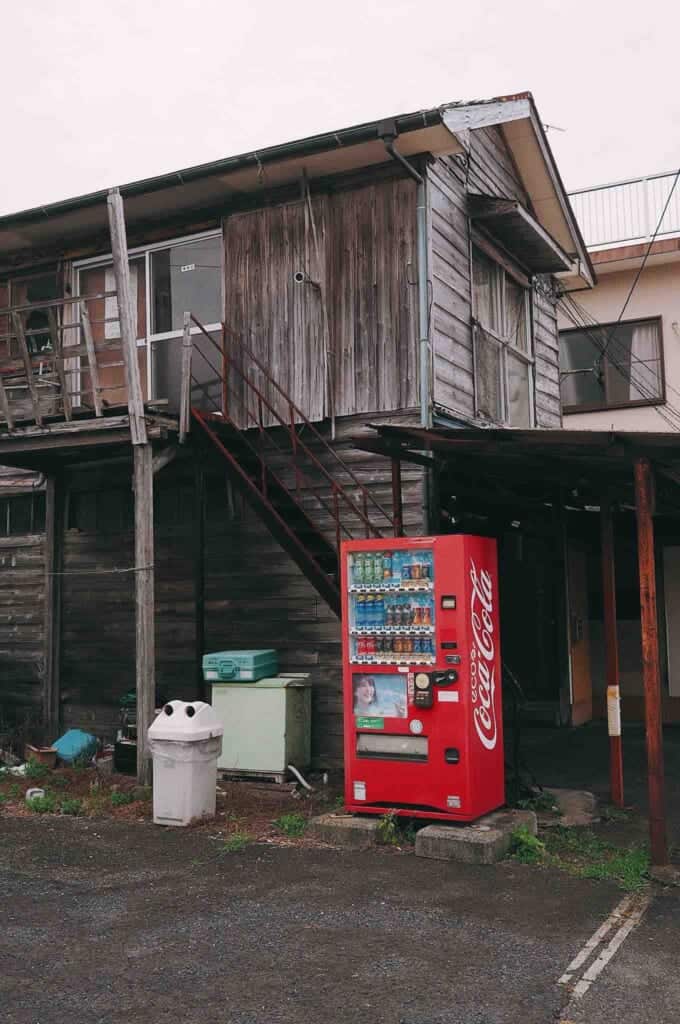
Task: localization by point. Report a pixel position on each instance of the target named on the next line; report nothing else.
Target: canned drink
(387, 565)
(418, 646)
(417, 615)
(425, 571)
(361, 647)
(427, 615)
(406, 572)
(358, 568)
(370, 645)
(415, 571)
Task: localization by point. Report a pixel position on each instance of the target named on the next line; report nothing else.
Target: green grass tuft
(236, 842)
(121, 799)
(42, 804)
(292, 824)
(525, 847)
(36, 770)
(72, 806)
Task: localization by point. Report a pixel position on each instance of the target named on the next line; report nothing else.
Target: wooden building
(399, 272)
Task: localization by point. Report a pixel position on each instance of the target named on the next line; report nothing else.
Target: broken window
(502, 340)
(610, 366)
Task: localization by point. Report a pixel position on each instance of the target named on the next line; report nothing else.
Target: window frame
(504, 269)
(146, 251)
(636, 403)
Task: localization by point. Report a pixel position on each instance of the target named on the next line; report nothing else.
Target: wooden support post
(144, 605)
(18, 325)
(127, 316)
(54, 539)
(644, 508)
(185, 380)
(92, 358)
(199, 576)
(611, 653)
(57, 348)
(397, 504)
(4, 405)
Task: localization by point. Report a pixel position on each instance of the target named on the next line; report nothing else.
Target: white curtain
(644, 362)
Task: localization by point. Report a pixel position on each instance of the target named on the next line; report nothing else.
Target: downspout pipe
(387, 131)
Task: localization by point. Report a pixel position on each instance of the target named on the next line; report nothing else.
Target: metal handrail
(309, 484)
(297, 441)
(300, 415)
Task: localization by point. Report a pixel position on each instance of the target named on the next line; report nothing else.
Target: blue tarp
(75, 744)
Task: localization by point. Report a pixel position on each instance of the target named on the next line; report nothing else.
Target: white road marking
(595, 939)
(627, 914)
(605, 956)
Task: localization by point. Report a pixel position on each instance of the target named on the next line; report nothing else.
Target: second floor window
(503, 349)
(611, 366)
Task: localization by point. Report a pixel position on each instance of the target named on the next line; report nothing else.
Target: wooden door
(579, 637)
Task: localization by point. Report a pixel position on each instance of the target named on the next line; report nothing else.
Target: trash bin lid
(185, 721)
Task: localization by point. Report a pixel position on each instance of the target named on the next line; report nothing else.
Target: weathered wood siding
(356, 309)
(255, 595)
(490, 171)
(22, 627)
(98, 617)
(546, 350)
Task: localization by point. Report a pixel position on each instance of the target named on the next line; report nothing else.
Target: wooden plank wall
(361, 274)
(490, 171)
(255, 595)
(98, 639)
(22, 627)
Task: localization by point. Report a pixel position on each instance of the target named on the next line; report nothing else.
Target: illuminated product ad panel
(421, 677)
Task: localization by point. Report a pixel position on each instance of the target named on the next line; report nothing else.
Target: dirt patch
(251, 812)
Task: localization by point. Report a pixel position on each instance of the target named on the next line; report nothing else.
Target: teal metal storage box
(239, 666)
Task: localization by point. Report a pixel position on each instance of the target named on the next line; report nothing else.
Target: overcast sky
(98, 94)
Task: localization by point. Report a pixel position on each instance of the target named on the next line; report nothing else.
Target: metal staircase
(304, 491)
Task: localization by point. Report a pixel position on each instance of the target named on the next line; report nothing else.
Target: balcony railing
(627, 211)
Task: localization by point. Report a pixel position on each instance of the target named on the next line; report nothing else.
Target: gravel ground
(105, 921)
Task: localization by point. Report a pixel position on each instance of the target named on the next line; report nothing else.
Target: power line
(644, 261)
(577, 316)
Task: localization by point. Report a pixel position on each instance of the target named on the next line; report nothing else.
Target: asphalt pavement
(106, 922)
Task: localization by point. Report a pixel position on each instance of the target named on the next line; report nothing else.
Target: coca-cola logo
(483, 657)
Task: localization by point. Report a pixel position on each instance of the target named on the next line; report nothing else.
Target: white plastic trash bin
(185, 741)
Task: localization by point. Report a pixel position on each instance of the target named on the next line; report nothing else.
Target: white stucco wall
(657, 293)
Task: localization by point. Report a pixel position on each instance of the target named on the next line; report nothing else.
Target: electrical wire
(644, 261)
(669, 413)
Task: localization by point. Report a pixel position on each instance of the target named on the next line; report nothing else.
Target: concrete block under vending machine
(485, 842)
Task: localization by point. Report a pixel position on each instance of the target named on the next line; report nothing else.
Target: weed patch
(582, 853)
(526, 847)
(544, 803)
(72, 806)
(235, 842)
(121, 799)
(36, 770)
(387, 832)
(42, 804)
(292, 825)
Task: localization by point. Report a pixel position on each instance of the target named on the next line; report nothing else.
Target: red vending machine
(422, 677)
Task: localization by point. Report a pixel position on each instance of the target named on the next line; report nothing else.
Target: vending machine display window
(379, 696)
(392, 611)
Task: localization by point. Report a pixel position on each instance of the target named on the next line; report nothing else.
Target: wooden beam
(164, 458)
(28, 366)
(651, 673)
(397, 504)
(611, 652)
(54, 536)
(57, 348)
(127, 316)
(92, 358)
(185, 381)
(145, 640)
(4, 405)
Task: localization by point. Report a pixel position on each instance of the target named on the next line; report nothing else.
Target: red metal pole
(611, 653)
(397, 506)
(644, 507)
